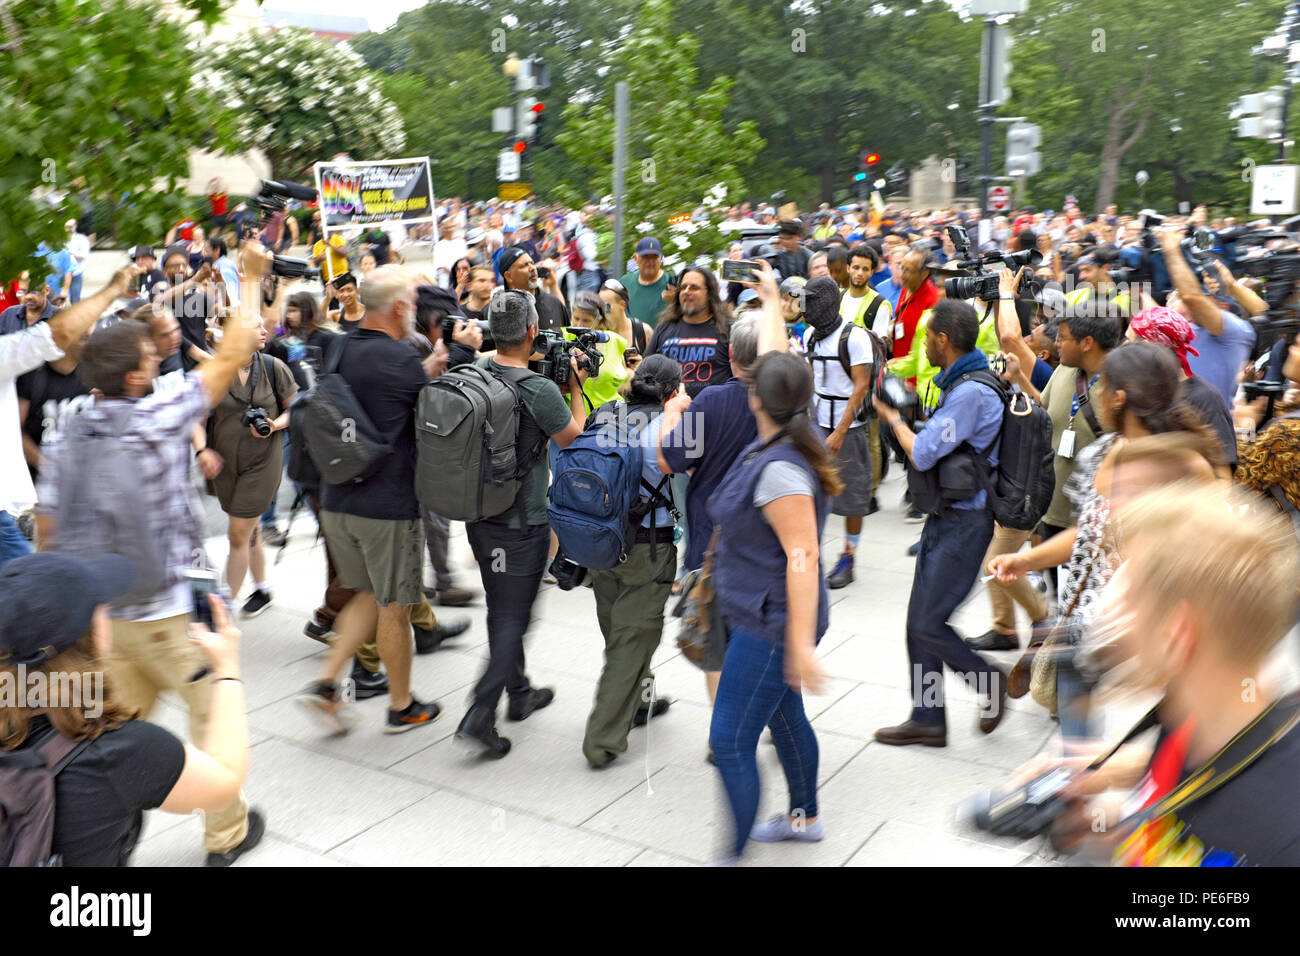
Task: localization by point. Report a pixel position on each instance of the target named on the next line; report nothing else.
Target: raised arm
(1202, 308)
(75, 321)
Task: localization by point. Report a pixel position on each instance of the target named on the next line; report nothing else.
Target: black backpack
(27, 800)
(1020, 487)
(331, 426)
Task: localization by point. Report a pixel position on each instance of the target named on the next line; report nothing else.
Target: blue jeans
(12, 542)
(752, 694)
(953, 545)
(74, 289)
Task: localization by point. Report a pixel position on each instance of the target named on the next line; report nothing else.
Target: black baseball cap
(48, 600)
(790, 227)
(436, 297)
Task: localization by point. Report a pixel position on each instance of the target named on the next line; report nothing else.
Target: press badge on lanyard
(1066, 448)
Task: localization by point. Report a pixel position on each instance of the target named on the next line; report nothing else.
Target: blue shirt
(60, 264)
(653, 476)
(890, 291)
(970, 412)
(1222, 355)
(1041, 374)
(230, 273)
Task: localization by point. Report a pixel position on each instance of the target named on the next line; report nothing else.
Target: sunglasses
(613, 285)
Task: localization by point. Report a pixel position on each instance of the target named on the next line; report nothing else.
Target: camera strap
(1274, 723)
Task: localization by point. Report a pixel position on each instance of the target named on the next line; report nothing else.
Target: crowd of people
(854, 340)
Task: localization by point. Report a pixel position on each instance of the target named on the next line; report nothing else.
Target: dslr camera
(449, 323)
(258, 419)
(555, 350)
(568, 573)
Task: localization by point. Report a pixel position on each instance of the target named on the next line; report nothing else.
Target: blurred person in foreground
(1199, 624)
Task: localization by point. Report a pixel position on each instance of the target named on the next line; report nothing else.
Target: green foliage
(1123, 85)
(95, 98)
(678, 146)
(303, 100)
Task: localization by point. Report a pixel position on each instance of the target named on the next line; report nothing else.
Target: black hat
(436, 297)
(790, 227)
(509, 255)
(48, 599)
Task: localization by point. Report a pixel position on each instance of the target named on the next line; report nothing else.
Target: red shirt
(9, 295)
(219, 202)
(910, 309)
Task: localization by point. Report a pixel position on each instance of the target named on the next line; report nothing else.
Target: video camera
(1022, 812)
(978, 284)
(555, 350)
(1280, 271)
(273, 197)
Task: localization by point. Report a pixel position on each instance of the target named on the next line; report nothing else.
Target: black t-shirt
(1208, 400)
(552, 313)
(51, 395)
(193, 309)
(171, 363)
(386, 377)
(99, 797)
(700, 349)
(1252, 820)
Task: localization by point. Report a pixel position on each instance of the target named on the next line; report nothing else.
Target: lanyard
(1074, 402)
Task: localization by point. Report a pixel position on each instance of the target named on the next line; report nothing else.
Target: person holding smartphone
(54, 620)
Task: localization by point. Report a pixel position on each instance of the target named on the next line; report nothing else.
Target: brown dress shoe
(997, 701)
(911, 732)
(1018, 682)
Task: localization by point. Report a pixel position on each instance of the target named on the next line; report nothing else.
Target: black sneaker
(478, 731)
(272, 536)
(319, 632)
(256, 828)
(415, 715)
(914, 516)
(537, 698)
(257, 602)
(366, 684)
(874, 506)
(642, 716)
(841, 575)
(428, 640)
(324, 705)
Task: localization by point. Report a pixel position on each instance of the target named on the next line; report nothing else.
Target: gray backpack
(27, 800)
(468, 462)
(343, 442)
(100, 508)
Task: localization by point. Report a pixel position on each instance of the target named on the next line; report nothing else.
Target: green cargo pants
(630, 600)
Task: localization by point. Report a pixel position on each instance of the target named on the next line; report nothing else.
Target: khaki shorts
(380, 556)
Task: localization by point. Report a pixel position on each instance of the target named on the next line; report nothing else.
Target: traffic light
(871, 159)
(526, 112)
(859, 177)
(1023, 158)
(520, 146)
(1271, 121)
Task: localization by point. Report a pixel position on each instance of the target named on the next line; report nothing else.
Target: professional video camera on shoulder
(978, 278)
(273, 197)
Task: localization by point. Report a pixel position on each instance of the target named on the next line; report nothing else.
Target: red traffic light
(871, 158)
(537, 108)
(520, 146)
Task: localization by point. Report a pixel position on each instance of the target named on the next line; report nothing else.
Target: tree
(1119, 85)
(96, 100)
(303, 100)
(678, 147)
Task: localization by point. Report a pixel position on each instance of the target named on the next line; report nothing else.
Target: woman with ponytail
(1140, 387)
(770, 512)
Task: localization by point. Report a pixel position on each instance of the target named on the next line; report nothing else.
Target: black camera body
(449, 323)
(893, 391)
(274, 196)
(287, 267)
(568, 573)
(258, 419)
(555, 350)
(1024, 812)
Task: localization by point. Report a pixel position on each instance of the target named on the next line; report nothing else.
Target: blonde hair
(1217, 550)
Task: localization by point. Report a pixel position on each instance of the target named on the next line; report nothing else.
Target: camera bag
(330, 423)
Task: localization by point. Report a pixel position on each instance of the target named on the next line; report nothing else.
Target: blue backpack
(598, 494)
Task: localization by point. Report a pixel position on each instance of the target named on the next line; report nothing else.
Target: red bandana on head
(1163, 326)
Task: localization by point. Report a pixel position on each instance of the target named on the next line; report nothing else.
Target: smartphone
(739, 270)
(202, 583)
(631, 353)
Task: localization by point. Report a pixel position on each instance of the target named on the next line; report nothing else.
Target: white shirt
(446, 253)
(586, 240)
(830, 379)
(19, 352)
(79, 247)
(734, 225)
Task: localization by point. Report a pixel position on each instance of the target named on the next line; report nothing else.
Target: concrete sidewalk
(370, 798)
